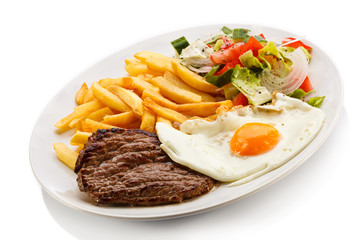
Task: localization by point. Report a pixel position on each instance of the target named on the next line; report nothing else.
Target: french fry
(79, 148)
(159, 64)
(132, 61)
(65, 154)
(81, 93)
(90, 126)
(174, 93)
(79, 138)
(172, 78)
(100, 114)
(136, 69)
(112, 81)
(193, 79)
(78, 127)
(63, 124)
(87, 108)
(139, 84)
(148, 120)
(129, 97)
(96, 115)
(164, 112)
(109, 99)
(121, 119)
(163, 120)
(159, 99)
(203, 109)
(74, 123)
(89, 95)
(146, 77)
(144, 55)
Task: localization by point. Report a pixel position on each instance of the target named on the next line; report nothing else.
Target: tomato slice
(224, 56)
(252, 44)
(240, 99)
(306, 85)
(226, 42)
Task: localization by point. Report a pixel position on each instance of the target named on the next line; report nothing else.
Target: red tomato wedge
(252, 44)
(240, 99)
(306, 85)
(295, 44)
(226, 42)
(224, 56)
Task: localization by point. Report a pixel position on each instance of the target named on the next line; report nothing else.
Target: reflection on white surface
(267, 207)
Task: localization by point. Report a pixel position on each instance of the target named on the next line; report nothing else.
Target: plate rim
(202, 209)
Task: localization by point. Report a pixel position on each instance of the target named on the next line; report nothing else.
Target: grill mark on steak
(120, 166)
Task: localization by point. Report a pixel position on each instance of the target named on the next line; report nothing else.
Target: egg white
(205, 146)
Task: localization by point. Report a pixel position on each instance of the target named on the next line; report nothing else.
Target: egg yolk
(254, 138)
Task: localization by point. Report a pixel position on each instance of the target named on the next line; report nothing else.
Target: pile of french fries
(159, 89)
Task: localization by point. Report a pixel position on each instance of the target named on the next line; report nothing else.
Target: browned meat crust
(119, 166)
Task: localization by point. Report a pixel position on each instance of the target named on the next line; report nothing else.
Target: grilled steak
(119, 166)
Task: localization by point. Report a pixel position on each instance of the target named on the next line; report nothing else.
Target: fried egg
(243, 143)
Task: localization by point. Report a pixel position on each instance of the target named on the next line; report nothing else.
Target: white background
(45, 44)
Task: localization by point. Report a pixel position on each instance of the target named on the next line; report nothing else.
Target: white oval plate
(60, 182)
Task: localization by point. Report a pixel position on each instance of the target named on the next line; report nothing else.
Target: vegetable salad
(249, 68)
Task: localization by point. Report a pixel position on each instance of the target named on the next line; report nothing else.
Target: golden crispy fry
(100, 114)
(203, 109)
(159, 99)
(81, 93)
(148, 120)
(172, 78)
(164, 112)
(78, 127)
(89, 95)
(139, 84)
(158, 64)
(146, 77)
(79, 138)
(90, 126)
(65, 154)
(120, 120)
(174, 93)
(129, 97)
(193, 79)
(163, 120)
(63, 124)
(136, 69)
(109, 99)
(87, 108)
(79, 148)
(112, 81)
(144, 55)
(74, 123)
(132, 61)
(96, 115)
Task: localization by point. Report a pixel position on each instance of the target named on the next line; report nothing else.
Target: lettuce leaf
(250, 61)
(249, 85)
